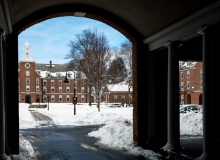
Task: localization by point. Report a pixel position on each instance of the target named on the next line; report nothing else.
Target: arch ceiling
(147, 17)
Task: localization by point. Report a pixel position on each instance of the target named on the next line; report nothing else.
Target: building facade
(45, 82)
(190, 83)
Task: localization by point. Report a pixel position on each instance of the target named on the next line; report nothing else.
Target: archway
(28, 99)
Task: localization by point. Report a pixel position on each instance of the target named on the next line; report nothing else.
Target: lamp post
(74, 90)
(47, 95)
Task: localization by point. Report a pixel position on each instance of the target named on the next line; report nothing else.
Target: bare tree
(91, 54)
(125, 52)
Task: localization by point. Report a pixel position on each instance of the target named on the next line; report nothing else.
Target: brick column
(2, 103)
(173, 139)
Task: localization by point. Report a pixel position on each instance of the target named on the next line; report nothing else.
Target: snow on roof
(118, 87)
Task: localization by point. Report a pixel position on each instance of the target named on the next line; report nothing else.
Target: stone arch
(103, 16)
(28, 99)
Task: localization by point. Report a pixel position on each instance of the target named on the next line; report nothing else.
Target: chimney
(50, 64)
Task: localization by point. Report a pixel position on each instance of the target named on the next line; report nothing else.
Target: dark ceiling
(147, 17)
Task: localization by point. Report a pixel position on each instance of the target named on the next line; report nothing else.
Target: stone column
(210, 93)
(2, 103)
(173, 138)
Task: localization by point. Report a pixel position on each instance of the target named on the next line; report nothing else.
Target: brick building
(45, 82)
(190, 82)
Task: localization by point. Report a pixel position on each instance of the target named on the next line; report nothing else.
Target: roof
(120, 87)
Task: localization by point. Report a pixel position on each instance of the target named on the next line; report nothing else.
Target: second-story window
(188, 74)
(68, 89)
(182, 86)
(82, 89)
(44, 81)
(28, 80)
(60, 82)
(27, 88)
(52, 89)
(52, 82)
(60, 89)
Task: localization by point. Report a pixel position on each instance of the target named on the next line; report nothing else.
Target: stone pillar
(173, 138)
(210, 89)
(2, 103)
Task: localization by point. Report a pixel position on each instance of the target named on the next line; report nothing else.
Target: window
(181, 75)
(18, 88)
(123, 98)
(67, 98)
(69, 75)
(27, 88)
(130, 98)
(115, 98)
(37, 88)
(28, 80)
(27, 73)
(52, 89)
(68, 89)
(182, 99)
(45, 98)
(182, 86)
(44, 81)
(52, 98)
(201, 73)
(60, 82)
(37, 80)
(60, 98)
(45, 89)
(82, 98)
(60, 89)
(188, 74)
(188, 84)
(82, 82)
(18, 80)
(82, 89)
(52, 82)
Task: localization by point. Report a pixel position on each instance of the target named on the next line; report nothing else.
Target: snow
(116, 132)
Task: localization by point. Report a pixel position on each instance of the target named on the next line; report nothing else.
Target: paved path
(72, 143)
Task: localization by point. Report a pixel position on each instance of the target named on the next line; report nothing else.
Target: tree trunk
(90, 98)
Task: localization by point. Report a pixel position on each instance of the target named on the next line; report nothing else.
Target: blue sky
(49, 39)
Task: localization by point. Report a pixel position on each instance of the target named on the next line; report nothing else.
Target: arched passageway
(168, 35)
(28, 99)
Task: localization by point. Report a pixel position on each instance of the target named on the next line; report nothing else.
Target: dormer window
(69, 75)
(48, 74)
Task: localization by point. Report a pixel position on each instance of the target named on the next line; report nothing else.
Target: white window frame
(188, 84)
(27, 87)
(37, 88)
(27, 80)
(37, 80)
(60, 82)
(44, 81)
(82, 98)
(18, 80)
(52, 98)
(181, 75)
(45, 98)
(60, 98)
(182, 86)
(27, 73)
(188, 74)
(82, 89)
(52, 82)
(68, 97)
(67, 89)
(60, 88)
(52, 89)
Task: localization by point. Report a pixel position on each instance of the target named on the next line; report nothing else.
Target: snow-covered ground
(117, 131)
